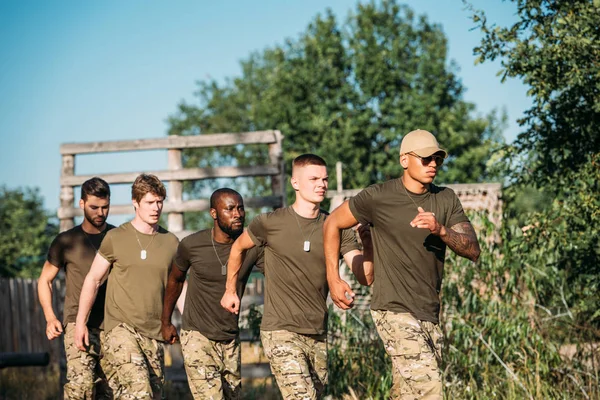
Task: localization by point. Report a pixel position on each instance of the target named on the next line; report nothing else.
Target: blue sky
(82, 71)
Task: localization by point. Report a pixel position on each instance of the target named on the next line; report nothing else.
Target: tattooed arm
(460, 238)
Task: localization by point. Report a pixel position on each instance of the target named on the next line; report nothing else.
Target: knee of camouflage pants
(298, 362)
(136, 361)
(212, 367)
(415, 348)
(81, 365)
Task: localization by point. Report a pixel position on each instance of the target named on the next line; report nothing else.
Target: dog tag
(306, 245)
(143, 254)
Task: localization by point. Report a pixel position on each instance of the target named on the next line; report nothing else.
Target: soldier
(412, 221)
(74, 250)
(294, 324)
(138, 255)
(209, 334)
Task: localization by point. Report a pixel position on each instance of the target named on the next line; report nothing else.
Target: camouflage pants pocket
(212, 367)
(416, 369)
(132, 367)
(298, 363)
(81, 366)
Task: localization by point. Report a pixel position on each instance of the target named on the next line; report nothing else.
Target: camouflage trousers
(137, 363)
(212, 367)
(85, 369)
(415, 348)
(299, 363)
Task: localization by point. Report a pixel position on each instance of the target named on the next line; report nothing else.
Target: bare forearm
(89, 291)
(331, 247)
(172, 293)
(234, 264)
(462, 240)
(45, 296)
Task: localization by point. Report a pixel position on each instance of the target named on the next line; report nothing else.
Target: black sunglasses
(439, 160)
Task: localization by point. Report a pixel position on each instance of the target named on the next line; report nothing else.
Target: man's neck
(221, 237)
(413, 185)
(92, 229)
(306, 209)
(143, 227)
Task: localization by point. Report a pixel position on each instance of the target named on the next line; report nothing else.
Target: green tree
(26, 232)
(348, 92)
(554, 47)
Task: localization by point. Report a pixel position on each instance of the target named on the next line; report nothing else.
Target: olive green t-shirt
(206, 284)
(409, 262)
(295, 280)
(74, 251)
(136, 286)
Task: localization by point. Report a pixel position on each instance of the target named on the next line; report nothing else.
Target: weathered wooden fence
(23, 326)
(175, 175)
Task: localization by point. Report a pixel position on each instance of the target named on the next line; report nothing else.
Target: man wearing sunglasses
(412, 222)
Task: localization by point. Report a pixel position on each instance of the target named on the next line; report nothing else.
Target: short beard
(91, 220)
(232, 233)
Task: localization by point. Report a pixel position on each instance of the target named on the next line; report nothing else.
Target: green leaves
(25, 232)
(348, 92)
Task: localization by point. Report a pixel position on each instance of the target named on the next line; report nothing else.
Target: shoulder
(120, 230)
(167, 236)
(272, 216)
(378, 188)
(67, 236)
(443, 192)
(195, 237)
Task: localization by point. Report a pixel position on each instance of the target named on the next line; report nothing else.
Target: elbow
(476, 255)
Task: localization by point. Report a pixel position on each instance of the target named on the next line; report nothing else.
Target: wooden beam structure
(175, 175)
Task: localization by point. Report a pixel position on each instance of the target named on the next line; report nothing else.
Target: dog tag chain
(307, 240)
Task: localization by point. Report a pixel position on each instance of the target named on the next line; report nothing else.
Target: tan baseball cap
(422, 143)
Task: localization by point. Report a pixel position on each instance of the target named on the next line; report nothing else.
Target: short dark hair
(307, 159)
(147, 183)
(95, 187)
(217, 194)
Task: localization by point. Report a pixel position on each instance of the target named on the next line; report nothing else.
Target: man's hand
(82, 339)
(169, 333)
(231, 302)
(341, 294)
(53, 329)
(427, 220)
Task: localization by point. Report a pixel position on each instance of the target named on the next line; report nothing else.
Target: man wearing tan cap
(412, 221)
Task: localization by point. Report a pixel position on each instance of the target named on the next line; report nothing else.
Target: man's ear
(404, 161)
(213, 213)
(81, 204)
(294, 183)
(135, 204)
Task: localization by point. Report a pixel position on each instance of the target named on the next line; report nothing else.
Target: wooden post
(67, 194)
(338, 177)
(276, 158)
(175, 195)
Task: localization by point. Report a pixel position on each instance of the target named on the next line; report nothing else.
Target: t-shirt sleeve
(182, 256)
(456, 214)
(56, 253)
(348, 241)
(257, 230)
(107, 249)
(361, 205)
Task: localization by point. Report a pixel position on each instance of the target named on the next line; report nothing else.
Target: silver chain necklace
(411, 199)
(307, 240)
(223, 266)
(143, 252)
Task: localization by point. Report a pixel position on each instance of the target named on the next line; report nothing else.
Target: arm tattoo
(462, 240)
